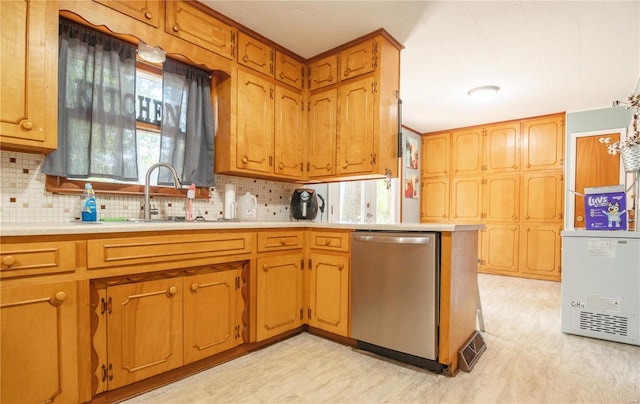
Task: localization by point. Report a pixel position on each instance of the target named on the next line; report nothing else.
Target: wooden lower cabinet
(499, 249)
(211, 309)
(148, 327)
(329, 293)
(540, 251)
(279, 294)
(39, 360)
(144, 330)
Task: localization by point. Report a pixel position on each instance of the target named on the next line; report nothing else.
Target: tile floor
(528, 360)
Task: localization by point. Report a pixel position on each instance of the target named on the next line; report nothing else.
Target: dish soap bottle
(88, 207)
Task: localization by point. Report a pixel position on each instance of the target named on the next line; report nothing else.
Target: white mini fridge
(601, 284)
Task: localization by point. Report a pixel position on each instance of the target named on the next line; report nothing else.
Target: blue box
(605, 208)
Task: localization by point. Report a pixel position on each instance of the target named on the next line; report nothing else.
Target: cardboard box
(605, 208)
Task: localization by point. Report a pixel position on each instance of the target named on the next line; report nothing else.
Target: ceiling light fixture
(150, 53)
(483, 93)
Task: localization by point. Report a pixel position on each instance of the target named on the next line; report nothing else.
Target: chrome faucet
(176, 181)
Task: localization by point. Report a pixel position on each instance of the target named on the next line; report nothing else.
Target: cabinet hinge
(308, 166)
(302, 77)
(272, 59)
(374, 56)
(373, 159)
(106, 305)
(301, 167)
(237, 282)
(237, 331)
(374, 87)
(302, 264)
(301, 314)
(233, 44)
(107, 372)
(309, 313)
(310, 264)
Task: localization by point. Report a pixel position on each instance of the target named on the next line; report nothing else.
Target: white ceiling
(546, 56)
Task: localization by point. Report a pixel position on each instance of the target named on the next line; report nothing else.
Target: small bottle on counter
(88, 211)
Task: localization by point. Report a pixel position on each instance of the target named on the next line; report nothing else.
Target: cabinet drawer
(188, 22)
(329, 241)
(280, 240)
(105, 253)
(24, 259)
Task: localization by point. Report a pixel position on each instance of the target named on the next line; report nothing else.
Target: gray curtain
(187, 125)
(96, 107)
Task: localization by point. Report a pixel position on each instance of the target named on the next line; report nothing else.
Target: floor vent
(603, 323)
(470, 352)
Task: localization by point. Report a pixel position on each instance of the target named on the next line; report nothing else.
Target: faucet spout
(176, 183)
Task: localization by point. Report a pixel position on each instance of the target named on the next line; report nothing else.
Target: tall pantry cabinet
(507, 176)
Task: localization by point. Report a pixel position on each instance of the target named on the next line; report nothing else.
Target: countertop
(61, 228)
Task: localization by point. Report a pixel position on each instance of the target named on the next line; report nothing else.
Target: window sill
(59, 185)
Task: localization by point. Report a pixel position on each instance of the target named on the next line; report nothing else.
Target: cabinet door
(321, 150)
(39, 361)
(147, 11)
(144, 329)
(358, 59)
(542, 197)
(543, 143)
(435, 200)
(355, 130)
(255, 54)
(29, 74)
(501, 198)
(288, 136)
(289, 70)
(436, 154)
(499, 249)
(323, 72)
(210, 323)
(540, 251)
(254, 141)
(466, 199)
(466, 151)
(329, 293)
(501, 150)
(279, 294)
(190, 23)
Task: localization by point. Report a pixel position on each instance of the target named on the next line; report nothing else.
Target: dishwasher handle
(394, 239)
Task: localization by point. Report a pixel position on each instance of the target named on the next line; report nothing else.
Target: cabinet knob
(347, 71)
(345, 165)
(283, 241)
(8, 260)
(26, 124)
(194, 287)
(281, 166)
(579, 218)
(340, 267)
(245, 160)
(175, 28)
(172, 291)
(328, 167)
(148, 15)
(58, 298)
(265, 267)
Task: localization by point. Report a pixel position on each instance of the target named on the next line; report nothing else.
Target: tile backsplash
(23, 197)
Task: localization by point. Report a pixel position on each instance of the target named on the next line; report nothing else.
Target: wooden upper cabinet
(289, 70)
(501, 149)
(255, 129)
(543, 143)
(542, 196)
(147, 11)
(466, 151)
(359, 59)
(288, 133)
(436, 153)
(188, 22)
(466, 199)
(255, 54)
(356, 148)
(321, 140)
(434, 200)
(323, 72)
(29, 75)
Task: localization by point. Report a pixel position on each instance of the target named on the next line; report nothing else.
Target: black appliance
(304, 204)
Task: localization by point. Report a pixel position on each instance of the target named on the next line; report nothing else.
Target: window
(118, 116)
(370, 201)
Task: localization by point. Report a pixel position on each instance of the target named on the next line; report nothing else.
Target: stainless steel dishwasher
(394, 295)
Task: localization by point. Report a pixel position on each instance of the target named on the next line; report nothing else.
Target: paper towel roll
(229, 201)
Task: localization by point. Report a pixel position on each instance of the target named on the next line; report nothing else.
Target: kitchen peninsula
(182, 297)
